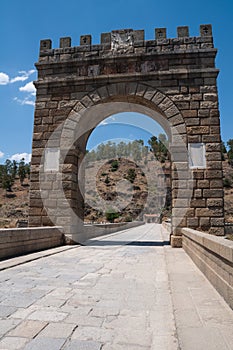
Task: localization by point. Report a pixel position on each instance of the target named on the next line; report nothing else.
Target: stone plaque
(122, 41)
(51, 162)
(197, 157)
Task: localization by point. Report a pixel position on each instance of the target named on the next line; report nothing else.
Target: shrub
(131, 175)
(111, 215)
(115, 165)
(107, 180)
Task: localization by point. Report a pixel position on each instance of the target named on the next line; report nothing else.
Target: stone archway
(181, 96)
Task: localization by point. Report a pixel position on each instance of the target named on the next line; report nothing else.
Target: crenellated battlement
(127, 42)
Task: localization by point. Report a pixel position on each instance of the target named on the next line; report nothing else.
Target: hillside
(14, 205)
(124, 187)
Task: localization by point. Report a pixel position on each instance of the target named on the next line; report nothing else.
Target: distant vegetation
(12, 170)
(229, 151)
(135, 149)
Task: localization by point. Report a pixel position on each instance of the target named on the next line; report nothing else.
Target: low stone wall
(167, 225)
(97, 230)
(19, 241)
(214, 257)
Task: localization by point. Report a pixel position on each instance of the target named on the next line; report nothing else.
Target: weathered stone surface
(176, 78)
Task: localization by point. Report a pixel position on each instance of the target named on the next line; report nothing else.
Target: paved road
(129, 291)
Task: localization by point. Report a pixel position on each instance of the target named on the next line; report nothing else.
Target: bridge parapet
(214, 257)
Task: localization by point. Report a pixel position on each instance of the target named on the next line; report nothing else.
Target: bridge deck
(129, 290)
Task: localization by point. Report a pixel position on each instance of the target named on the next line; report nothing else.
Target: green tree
(154, 145)
(159, 147)
(14, 168)
(22, 171)
(8, 176)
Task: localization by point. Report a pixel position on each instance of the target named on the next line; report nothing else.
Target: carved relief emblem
(122, 41)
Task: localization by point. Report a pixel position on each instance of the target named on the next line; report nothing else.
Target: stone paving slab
(113, 294)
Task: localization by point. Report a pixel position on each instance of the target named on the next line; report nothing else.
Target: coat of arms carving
(122, 41)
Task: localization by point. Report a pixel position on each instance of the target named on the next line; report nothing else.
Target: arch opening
(127, 174)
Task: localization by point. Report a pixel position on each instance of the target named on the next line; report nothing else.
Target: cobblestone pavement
(129, 290)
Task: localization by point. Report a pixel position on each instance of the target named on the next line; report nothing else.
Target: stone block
(214, 202)
(216, 156)
(176, 241)
(160, 33)
(28, 329)
(205, 222)
(183, 32)
(65, 42)
(204, 113)
(209, 104)
(213, 193)
(194, 138)
(198, 174)
(217, 231)
(45, 45)
(213, 174)
(192, 121)
(193, 222)
(198, 203)
(217, 221)
(139, 36)
(215, 130)
(205, 30)
(180, 202)
(85, 40)
(194, 105)
(195, 130)
(214, 165)
(215, 212)
(203, 183)
(189, 113)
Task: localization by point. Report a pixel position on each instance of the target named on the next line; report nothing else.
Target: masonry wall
(214, 257)
(14, 242)
(175, 76)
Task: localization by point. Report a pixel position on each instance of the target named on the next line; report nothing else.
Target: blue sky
(24, 23)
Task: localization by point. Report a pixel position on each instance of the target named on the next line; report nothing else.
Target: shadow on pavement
(136, 243)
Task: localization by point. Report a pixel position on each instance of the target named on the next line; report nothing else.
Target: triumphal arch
(172, 80)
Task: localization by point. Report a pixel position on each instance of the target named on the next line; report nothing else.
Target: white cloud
(19, 156)
(25, 101)
(29, 87)
(24, 76)
(4, 78)
(1, 154)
